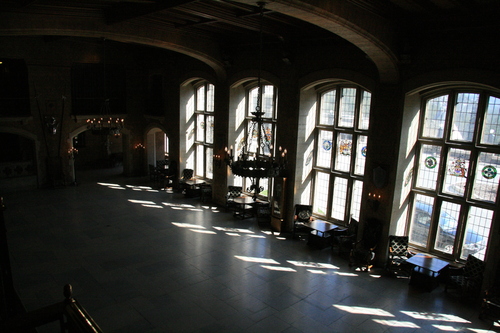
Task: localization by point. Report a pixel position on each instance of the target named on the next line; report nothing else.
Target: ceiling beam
(126, 11)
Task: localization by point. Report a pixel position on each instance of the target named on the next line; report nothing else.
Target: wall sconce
(217, 160)
(72, 152)
(374, 200)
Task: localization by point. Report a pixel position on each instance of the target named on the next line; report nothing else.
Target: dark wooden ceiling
(236, 23)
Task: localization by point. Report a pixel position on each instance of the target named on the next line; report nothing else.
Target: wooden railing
(13, 317)
(71, 315)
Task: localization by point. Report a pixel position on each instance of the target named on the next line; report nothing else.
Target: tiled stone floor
(141, 260)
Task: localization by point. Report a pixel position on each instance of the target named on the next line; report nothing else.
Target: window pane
(325, 143)
(268, 101)
(320, 203)
(447, 229)
(344, 150)
(268, 137)
(491, 125)
(457, 165)
(200, 127)
(477, 232)
(428, 166)
(199, 160)
(200, 98)
(347, 107)
(486, 180)
(264, 185)
(364, 114)
(252, 137)
(210, 129)
(209, 162)
(359, 167)
(339, 198)
(356, 199)
(210, 98)
(327, 111)
(435, 116)
(421, 219)
(252, 100)
(464, 117)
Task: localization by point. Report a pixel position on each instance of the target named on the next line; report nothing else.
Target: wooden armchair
(232, 193)
(363, 252)
(302, 215)
(398, 254)
(467, 280)
(345, 239)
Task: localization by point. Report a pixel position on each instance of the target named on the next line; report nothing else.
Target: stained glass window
(341, 150)
(456, 175)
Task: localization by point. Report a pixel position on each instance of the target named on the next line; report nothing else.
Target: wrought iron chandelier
(256, 159)
(105, 123)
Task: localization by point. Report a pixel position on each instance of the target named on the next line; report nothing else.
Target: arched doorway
(157, 145)
(96, 153)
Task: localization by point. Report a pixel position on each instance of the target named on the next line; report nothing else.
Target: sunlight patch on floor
(256, 259)
(435, 316)
(188, 225)
(364, 310)
(278, 268)
(204, 231)
(312, 264)
(447, 328)
(396, 323)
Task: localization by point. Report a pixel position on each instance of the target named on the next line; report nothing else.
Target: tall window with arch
(204, 130)
(455, 190)
(341, 138)
(246, 134)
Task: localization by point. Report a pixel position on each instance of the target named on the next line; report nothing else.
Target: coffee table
(427, 270)
(320, 233)
(244, 207)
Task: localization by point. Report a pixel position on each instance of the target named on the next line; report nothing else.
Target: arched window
(243, 129)
(341, 137)
(203, 129)
(456, 185)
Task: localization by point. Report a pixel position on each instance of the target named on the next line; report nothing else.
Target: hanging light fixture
(105, 123)
(256, 159)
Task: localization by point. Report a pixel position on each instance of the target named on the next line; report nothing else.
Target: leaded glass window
(456, 185)
(341, 146)
(204, 113)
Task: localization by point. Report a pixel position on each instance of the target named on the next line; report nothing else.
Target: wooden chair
(263, 215)
(206, 192)
(467, 280)
(232, 192)
(398, 254)
(186, 175)
(302, 215)
(345, 239)
(363, 251)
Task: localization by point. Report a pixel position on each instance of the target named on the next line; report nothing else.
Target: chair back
(302, 213)
(352, 228)
(474, 267)
(234, 191)
(187, 174)
(398, 245)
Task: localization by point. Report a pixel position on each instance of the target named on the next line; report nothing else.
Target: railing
(71, 315)
(13, 317)
(17, 169)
